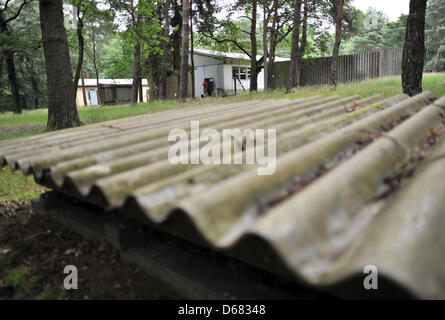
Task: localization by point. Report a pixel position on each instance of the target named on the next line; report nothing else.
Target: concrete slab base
(191, 271)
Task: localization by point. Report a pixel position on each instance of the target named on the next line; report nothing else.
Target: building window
(241, 72)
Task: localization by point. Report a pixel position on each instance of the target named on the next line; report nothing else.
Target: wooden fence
(356, 67)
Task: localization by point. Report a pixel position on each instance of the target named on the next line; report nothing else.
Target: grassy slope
(87, 114)
(387, 86)
(13, 185)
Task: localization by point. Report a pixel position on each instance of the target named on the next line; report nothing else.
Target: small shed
(108, 92)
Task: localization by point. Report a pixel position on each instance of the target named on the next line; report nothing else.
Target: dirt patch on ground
(35, 250)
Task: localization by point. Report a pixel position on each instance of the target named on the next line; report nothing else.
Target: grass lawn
(434, 82)
(88, 114)
(16, 186)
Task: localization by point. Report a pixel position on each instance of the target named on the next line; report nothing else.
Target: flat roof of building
(118, 82)
(231, 55)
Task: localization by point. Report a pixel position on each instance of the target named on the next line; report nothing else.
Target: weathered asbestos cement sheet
(358, 182)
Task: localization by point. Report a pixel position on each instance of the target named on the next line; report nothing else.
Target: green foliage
(370, 37)
(48, 294)
(236, 27)
(148, 28)
(318, 44)
(232, 33)
(224, 33)
(96, 19)
(24, 40)
(117, 59)
(204, 14)
(142, 22)
(16, 186)
(4, 89)
(376, 32)
(394, 35)
(435, 36)
(326, 13)
(17, 277)
(23, 281)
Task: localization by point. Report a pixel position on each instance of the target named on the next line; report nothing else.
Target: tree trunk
(338, 31)
(62, 112)
(436, 61)
(164, 62)
(33, 92)
(178, 84)
(414, 48)
(295, 44)
(13, 84)
(136, 72)
(151, 82)
(33, 85)
(273, 37)
(253, 50)
(302, 46)
(175, 44)
(81, 51)
(10, 68)
(265, 44)
(141, 93)
(1, 66)
(85, 102)
(96, 69)
(191, 50)
(183, 88)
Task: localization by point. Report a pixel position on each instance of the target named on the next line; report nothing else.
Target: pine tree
(435, 36)
(62, 112)
(414, 48)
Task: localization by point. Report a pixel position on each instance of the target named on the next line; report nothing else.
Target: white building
(226, 72)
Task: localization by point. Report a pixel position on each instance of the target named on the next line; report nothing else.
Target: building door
(199, 78)
(208, 87)
(93, 97)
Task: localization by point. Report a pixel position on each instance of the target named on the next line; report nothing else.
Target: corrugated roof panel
(331, 207)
